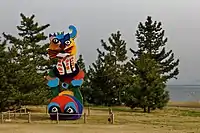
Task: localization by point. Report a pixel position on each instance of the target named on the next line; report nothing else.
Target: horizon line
(183, 85)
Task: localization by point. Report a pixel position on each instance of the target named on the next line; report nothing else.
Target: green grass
(191, 113)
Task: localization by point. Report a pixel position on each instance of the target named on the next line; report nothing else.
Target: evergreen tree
(85, 88)
(28, 55)
(151, 40)
(150, 68)
(110, 65)
(8, 90)
(115, 57)
(30, 45)
(98, 81)
(81, 63)
(147, 89)
(4, 93)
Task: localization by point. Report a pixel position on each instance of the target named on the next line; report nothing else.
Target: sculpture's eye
(65, 85)
(70, 110)
(55, 41)
(54, 108)
(67, 42)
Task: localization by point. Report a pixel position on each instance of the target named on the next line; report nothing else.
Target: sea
(184, 93)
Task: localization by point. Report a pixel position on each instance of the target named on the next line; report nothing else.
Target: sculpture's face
(62, 45)
(67, 106)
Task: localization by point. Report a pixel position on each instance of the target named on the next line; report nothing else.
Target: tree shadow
(119, 109)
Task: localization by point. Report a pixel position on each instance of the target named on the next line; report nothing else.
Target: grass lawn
(172, 119)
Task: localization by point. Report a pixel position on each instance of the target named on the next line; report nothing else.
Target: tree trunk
(145, 110)
(119, 97)
(149, 109)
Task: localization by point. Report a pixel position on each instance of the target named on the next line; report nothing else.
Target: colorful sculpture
(65, 78)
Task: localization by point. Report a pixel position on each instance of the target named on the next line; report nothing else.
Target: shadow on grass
(118, 109)
(34, 117)
(36, 110)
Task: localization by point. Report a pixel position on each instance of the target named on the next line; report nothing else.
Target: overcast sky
(97, 19)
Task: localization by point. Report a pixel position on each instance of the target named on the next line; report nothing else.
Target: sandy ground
(80, 128)
(169, 120)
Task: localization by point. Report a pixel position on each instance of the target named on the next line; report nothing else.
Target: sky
(97, 19)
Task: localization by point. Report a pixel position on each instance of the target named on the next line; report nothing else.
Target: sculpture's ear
(67, 36)
(51, 36)
(73, 30)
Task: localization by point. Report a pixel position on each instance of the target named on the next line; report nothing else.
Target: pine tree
(28, 55)
(4, 93)
(8, 90)
(81, 63)
(99, 83)
(115, 57)
(147, 89)
(30, 43)
(151, 40)
(150, 68)
(112, 58)
(85, 88)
